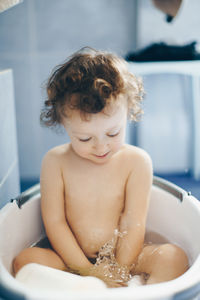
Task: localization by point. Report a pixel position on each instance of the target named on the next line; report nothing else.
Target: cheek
(118, 143)
(80, 148)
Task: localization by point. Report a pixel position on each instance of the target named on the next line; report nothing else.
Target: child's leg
(41, 256)
(162, 262)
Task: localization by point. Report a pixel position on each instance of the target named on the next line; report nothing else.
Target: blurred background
(37, 35)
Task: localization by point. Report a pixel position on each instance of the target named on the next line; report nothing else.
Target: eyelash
(87, 140)
(109, 135)
(113, 135)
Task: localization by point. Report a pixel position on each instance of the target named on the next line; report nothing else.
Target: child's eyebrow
(78, 132)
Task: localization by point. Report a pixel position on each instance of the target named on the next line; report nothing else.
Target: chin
(101, 160)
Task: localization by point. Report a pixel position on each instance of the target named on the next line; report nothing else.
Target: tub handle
(26, 195)
(170, 188)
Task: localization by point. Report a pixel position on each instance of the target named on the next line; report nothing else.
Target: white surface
(39, 277)
(6, 4)
(9, 170)
(43, 278)
(173, 67)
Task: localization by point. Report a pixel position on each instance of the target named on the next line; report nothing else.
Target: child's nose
(100, 145)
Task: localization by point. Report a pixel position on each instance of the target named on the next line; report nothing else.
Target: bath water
(115, 274)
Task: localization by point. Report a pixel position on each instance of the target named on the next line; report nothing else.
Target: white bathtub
(173, 213)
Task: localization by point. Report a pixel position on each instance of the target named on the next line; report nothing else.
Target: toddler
(97, 185)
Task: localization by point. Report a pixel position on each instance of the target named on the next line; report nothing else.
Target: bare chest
(93, 193)
(93, 203)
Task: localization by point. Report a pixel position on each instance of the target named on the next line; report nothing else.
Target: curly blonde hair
(94, 77)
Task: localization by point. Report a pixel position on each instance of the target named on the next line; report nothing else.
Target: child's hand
(108, 274)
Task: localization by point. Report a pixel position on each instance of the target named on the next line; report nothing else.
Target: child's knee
(174, 256)
(24, 257)
(18, 263)
(170, 262)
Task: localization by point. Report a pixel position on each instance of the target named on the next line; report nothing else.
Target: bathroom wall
(9, 170)
(37, 35)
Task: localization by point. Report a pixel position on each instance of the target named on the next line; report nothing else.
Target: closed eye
(113, 135)
(85, 140)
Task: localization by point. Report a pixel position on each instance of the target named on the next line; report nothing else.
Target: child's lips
(102, 156)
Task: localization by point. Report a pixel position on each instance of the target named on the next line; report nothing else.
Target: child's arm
(133, 219)
(53, 213)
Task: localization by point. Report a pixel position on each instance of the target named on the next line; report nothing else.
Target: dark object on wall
(164, 52)
(169, 18)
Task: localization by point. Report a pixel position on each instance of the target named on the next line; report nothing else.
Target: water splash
(106, 258)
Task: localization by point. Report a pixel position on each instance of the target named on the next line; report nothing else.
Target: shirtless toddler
(96, 183)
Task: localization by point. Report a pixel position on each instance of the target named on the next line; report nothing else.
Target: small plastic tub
(173, 214)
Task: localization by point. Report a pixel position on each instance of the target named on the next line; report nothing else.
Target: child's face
(98, 138)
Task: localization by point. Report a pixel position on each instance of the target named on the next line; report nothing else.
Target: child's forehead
(111, 117)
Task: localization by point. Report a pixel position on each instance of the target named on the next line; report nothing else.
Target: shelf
(190, 67)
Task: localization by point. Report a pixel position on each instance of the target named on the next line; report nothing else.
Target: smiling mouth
(102, 156)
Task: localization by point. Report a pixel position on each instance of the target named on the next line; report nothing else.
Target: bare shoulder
(136, 157)
(139, 175)
(51, 168)
(56, 154)
(53, 160)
